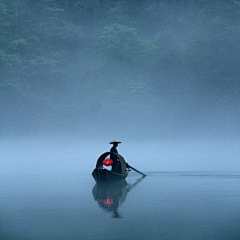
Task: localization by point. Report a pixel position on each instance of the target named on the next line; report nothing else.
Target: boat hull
(104, 175)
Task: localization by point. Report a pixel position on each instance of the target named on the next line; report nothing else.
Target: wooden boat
(101, 174)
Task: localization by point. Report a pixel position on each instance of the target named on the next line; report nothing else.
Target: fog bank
(51, 155)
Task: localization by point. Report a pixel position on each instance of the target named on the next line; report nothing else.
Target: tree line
(71, 59)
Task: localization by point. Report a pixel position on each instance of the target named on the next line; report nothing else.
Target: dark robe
(116, 166)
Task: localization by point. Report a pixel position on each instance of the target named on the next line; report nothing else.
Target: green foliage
(3, 23)
(168, 55)
(74, 57)
(3, 57)
(212, 52)
(119, 42)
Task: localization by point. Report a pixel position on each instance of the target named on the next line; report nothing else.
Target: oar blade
(134, 169)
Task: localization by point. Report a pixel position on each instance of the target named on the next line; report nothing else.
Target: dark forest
(144, 68)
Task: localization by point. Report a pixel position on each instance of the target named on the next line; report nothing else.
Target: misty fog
(160, 76)
(49, 155)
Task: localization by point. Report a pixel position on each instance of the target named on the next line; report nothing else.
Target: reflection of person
(111, 196)
(116, 166)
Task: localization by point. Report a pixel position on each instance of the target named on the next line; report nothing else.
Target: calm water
(161, 206)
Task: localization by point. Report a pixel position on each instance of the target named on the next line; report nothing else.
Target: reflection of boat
(101, 174)
(111, 195)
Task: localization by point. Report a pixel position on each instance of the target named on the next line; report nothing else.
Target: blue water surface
(163, 205)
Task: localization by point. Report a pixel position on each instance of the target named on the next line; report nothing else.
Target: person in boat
(116, 166)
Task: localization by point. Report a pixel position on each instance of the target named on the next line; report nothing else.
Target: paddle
(136, 170)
